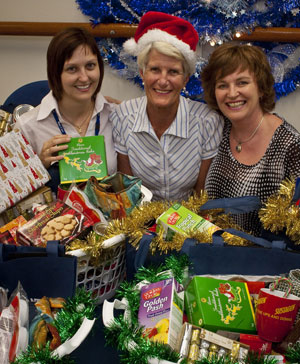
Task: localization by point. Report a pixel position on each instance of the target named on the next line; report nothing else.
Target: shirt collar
(49, 103)
(179, 126)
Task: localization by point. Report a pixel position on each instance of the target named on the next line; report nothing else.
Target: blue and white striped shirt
(169, 167)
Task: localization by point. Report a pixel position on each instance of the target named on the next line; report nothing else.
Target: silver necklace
(238, 147)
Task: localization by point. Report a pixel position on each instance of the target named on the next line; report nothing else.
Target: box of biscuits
(56, 222)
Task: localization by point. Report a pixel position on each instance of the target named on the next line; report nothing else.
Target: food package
(13, 226)
(161, 311)
(217, 304)
(56, 222)
(196, 343)
(178, 219)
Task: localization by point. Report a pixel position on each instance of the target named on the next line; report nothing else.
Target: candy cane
(277, 281)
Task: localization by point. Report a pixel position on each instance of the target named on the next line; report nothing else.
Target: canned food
(20, 110)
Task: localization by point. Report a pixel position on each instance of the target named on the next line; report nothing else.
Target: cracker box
(216, 304)
(13, 226)
(197, 335)
(161, 311)
(56, 222)
(178, 219)
(85, 157)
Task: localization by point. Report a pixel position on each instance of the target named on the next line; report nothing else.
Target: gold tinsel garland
(137, 223)
(280, 213)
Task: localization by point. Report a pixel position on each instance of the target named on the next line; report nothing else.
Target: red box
(256, 344)
(56, 217)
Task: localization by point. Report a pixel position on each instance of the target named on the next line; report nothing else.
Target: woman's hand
(51, 147)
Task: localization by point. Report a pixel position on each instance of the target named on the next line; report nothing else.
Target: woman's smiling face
(163, 80)
(80, 75)
(238, 95)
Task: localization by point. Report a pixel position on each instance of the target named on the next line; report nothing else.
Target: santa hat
(155, 26)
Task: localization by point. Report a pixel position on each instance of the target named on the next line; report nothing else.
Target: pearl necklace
(238, 147)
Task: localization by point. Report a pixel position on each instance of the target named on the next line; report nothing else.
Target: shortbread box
(21, 170)
(56, 222)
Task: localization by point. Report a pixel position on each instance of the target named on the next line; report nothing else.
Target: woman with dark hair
(74, 107)
(259, 149)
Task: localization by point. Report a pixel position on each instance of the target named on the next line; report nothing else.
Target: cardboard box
(230, 346)
(178, 219)
(56, 222)
(217, 304)
(161, 311)
(85, 157)
(13, 226)
(41, 196)
(21, 170)
(256, 344)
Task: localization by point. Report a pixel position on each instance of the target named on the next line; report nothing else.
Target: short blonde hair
(164, 48)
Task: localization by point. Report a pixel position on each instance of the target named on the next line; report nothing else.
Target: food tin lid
(20, 110)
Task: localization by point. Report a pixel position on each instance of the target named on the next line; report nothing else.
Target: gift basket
(104, 277)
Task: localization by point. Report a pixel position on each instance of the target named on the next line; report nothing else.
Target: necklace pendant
(238, 148)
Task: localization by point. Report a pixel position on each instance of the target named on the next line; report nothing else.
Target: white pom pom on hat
(157, 26)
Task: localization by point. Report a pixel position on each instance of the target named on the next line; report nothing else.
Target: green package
(179, 219)
(216, 304)
(85, 157)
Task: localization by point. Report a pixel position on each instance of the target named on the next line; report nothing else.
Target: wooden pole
(289, 35)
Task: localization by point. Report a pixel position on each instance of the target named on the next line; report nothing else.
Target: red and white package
(79, 201)
(14, 326)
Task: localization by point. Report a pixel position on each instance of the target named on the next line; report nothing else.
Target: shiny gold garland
(137, 223)
(281, 214)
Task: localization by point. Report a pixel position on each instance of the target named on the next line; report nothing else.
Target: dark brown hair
(226, 59)
(61, 49)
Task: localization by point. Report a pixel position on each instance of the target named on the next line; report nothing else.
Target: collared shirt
(168, 166)
(38, 125)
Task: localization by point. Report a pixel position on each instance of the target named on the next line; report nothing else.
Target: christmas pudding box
(161, 311)
(56, 222)
(216, 304)
(178, 219)
(21, 170)
(85, 157)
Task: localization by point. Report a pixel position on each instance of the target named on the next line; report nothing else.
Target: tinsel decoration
(42, 356)
(293, 353)
(281, 214)
(69, 319)
(141, 218)
(254, 357)
(216, 21)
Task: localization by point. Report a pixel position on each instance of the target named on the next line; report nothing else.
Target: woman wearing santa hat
(163, 138)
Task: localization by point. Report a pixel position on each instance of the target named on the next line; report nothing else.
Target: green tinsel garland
(42, 356)
(293, 353)
(67, 321)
